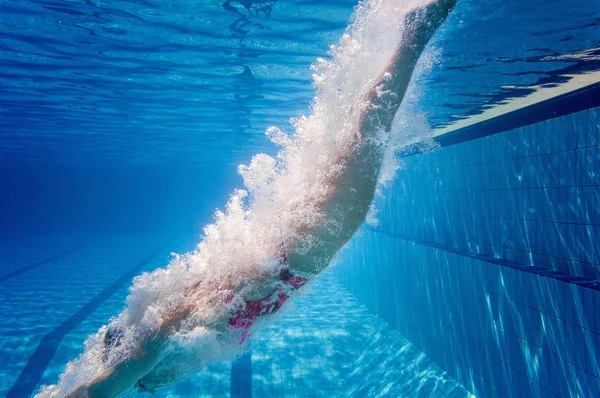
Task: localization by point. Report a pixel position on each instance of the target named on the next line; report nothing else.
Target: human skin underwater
(206, 304)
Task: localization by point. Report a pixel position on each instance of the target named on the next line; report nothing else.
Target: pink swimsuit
(244, 318)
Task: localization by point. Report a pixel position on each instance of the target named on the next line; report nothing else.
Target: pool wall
(487, 254)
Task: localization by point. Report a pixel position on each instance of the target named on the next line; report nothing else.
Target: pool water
(123, 125)
(328, 345)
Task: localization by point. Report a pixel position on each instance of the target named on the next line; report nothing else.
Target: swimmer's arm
(124, 374)
(138, 363)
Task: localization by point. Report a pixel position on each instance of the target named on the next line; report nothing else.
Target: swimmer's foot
(422, 22)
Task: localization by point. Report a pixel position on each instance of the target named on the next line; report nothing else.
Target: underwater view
(299, 198)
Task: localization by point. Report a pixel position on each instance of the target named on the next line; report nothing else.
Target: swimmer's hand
(125, 373)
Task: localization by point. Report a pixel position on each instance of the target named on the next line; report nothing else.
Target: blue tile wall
(528, 196)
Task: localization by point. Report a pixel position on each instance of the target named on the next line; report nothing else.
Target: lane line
(29, 267)
(532, 269)
(241, 377)
(40, 359)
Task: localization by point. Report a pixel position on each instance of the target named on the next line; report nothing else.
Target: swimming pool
(122, 127)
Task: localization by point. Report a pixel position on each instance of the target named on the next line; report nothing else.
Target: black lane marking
(241, 377)
(40, 359)
(532, 269)
(29, 267)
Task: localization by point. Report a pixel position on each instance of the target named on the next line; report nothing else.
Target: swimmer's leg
(354, 186)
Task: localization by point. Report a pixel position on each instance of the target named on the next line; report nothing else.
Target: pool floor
(327, 344)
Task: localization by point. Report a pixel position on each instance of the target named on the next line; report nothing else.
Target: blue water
(180, 82)
(121, 127)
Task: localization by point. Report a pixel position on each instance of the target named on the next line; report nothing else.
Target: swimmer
(347, 201)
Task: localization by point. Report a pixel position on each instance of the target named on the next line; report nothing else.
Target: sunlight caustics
(280, 200)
